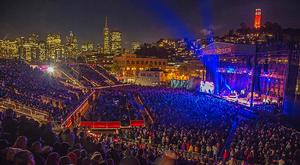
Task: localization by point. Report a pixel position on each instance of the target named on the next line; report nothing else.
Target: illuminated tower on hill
(106, 38)
(257, 19)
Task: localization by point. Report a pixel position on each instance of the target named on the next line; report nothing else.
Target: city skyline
(144, 21)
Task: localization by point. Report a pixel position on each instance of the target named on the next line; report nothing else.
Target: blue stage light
(169, 17)
(230, 70)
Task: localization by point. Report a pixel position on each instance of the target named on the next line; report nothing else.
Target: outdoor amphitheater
(81, 114)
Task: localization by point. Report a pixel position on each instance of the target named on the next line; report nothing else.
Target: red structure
(109, 124)
(257, 18)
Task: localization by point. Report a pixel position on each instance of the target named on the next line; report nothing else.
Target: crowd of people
(114, 105)
(265, 141)
(197, 126)
(187, 128)
(33, 88)
(24, 141)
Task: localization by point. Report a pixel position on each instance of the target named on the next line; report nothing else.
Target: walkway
(230, 136)
(241, 115)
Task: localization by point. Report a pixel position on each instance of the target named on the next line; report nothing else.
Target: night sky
(141, 20)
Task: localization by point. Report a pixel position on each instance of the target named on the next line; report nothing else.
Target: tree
(291, 34)
(272, 27)
(183, 69)
(231, 32)
(244, 29)
(115, 68)
(147, 50)
(81, 59)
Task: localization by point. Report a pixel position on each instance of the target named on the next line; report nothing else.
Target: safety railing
(110, 124)
(39, 115)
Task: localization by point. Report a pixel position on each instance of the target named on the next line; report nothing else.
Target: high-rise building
(99, 49)
(28, 48)
(106, 39)
(257, 19)
(135, 45)
(116, 42)
(87, 47)
(42, 51)
(8, 49)
(32, 48)
(54, 47)
(21, 49)
(71, 45)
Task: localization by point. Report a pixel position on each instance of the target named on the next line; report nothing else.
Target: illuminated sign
(226, 50)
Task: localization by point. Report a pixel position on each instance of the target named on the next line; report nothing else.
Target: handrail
(86, 79)
(72, 79)
(16, 103)
(25, 110)
(67, 123)
(140, 101)
(103, 87)
(111, 82)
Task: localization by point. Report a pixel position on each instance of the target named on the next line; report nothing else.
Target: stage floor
(242, 101)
